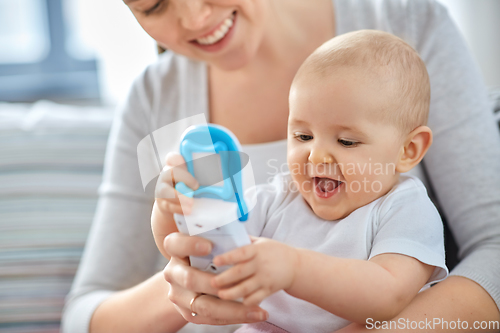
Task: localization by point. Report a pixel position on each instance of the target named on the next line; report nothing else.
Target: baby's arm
(162, 224)
(350, 288)
(168, 201)
(356, 289)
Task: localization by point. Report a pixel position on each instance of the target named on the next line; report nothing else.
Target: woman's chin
(232, 61)
(230, 65)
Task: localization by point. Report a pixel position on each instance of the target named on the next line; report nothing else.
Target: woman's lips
(220, 43)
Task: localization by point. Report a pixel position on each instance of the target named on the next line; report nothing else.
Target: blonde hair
(386, 55)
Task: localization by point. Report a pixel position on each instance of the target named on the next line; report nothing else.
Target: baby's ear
(415, 146)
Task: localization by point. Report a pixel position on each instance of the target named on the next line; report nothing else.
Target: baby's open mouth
(326, 185)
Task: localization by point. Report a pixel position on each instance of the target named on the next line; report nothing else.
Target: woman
(234, 61)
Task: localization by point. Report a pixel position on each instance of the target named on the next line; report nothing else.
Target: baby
(343, 237)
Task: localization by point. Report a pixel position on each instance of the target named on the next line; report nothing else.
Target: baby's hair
(385, 56)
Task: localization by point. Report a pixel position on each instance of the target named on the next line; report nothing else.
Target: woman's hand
(168, 199)
(260, 269)
(186, 282)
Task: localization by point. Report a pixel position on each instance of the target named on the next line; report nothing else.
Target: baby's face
(340, 154)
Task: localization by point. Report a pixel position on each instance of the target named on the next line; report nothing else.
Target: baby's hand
(168, 199)
(260, 269)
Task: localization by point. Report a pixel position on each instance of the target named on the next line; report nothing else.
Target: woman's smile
(218, 33)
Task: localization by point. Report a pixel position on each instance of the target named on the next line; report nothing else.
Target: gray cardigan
(462, 166)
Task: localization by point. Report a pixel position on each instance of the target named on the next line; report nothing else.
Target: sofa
(51, 160)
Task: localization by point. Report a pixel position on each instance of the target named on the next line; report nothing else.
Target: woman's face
(224, 33)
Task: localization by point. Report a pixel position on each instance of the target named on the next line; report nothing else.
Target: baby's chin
(329, 213)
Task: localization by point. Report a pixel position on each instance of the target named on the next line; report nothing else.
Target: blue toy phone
(213, 156)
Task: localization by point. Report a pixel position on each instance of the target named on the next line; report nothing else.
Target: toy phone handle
(212, 202)
(224, 239)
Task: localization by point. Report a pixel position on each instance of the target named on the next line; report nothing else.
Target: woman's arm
(143, 308)
(120, 253)
(436, 308)
(463, 167)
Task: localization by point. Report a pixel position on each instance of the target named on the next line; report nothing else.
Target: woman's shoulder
(174, 87)
(409, 20)
(387, 9)
(171, 71)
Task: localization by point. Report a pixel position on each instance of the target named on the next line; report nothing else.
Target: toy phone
(213, 156)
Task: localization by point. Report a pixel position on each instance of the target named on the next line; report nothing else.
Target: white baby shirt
(403, 221)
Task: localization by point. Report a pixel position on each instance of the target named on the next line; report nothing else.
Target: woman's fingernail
(203, 248)
(256, 315)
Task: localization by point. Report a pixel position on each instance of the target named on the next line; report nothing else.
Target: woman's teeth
(218, 34)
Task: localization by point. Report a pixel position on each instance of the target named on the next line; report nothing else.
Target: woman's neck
(255, 103)
(295, 28)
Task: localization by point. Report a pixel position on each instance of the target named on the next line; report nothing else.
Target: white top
(461, 166)
(403, 221)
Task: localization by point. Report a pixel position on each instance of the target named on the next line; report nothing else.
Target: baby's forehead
(377, 62)
(345, 94)
(346, 81)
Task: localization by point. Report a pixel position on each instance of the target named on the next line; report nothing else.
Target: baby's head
(358, 110)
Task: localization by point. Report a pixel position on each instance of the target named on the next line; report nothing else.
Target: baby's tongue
(326, 184)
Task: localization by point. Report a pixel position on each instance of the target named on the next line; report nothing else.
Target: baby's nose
(320, 156)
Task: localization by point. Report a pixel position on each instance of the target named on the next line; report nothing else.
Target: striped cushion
(51, 159)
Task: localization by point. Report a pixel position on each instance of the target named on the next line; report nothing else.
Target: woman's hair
(161, 49)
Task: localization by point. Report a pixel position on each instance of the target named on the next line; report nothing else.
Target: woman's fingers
(182, 246)
(189, 278)
(213, 311)
(186, 282)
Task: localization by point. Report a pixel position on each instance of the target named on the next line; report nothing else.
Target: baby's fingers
(234, 274)
(236, 256)
(173, 158)
(179, 205)
(169, 177)
(242, 289)
(173, 207)
(257, 297)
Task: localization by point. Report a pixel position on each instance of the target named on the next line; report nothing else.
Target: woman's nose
(319, 156)
(194, 13)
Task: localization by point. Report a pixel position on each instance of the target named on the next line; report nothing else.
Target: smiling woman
(234, 61)
(197, 28)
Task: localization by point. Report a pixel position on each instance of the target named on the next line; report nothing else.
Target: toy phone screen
(207, 169)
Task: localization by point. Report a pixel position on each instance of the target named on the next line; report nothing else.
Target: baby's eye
(347, 143)
(303, 137)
